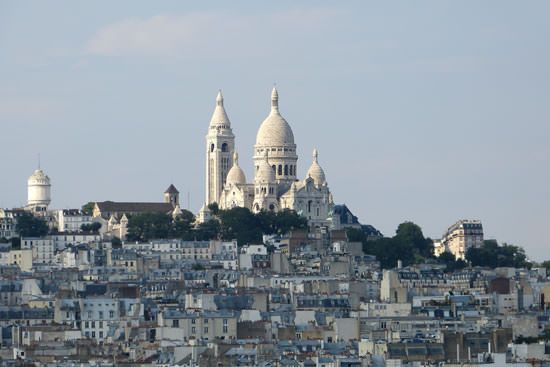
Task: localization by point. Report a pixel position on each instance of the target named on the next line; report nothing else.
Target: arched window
(291, 170)
(224, 147)
(280, 170)
(274, 168)
(286, 169)
(309, 206)
(212, 147)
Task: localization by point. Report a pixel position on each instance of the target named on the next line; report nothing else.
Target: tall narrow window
(280, 170)
(286, 169)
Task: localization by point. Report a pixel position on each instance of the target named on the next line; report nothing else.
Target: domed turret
(236, 175)
(315, 171)
(38, 190)
(265, 171)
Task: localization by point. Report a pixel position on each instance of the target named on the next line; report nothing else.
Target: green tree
(182, 225)
(88, 208)
(147, 226)
(408, 245)
(206, 231)
(411, 234)
(240, 224)
(450, 261)
(214, 208)
(31, 226)
(92, 227)
(288, 220)
(490, 254)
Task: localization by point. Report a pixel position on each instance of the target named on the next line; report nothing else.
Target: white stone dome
(38, 178)
(315, 171)
(274, 130)
(265, 171)
(236, 175)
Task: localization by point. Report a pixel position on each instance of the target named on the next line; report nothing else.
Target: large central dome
(274, 131)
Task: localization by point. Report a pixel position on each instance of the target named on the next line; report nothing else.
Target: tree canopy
(247, 227)
(148, 226)
(88, 208)
(450, 262)
(492, 255)
(236, 223)
(408, 245)
(92, 227)
(30, 226)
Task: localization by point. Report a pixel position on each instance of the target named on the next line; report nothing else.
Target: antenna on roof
(38, 160)
(188, 200)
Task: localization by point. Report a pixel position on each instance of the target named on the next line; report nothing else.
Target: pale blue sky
(429, 111)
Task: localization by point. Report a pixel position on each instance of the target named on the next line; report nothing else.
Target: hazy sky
(429, 111)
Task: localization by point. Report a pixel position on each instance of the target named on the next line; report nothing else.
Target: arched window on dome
(280, 170)
(224, 147)
(212, 146)
(286, 169)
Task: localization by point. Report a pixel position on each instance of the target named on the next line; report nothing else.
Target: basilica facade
(275, 185)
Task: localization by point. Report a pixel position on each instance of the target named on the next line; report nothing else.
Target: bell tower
(220, 145)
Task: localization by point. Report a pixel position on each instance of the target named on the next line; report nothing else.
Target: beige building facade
(461, 236)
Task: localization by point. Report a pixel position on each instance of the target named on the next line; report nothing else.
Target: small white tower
(38, 191)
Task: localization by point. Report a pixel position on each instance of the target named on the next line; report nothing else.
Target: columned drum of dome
(275, 137)
(220, 145)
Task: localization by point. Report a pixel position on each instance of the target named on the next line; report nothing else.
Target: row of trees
(492, 255)
(408, 245)
(236, 223)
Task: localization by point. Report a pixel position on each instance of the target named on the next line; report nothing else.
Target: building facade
(462, 236)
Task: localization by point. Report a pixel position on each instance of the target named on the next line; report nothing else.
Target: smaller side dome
(315, 171)
(236, 175)
(265, 172)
